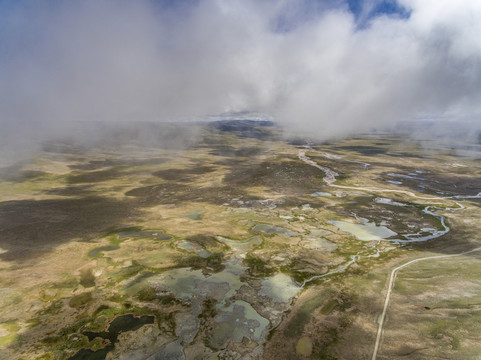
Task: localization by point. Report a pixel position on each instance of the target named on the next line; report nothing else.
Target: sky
(330, 67)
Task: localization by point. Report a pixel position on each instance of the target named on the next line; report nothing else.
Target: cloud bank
(312, 65)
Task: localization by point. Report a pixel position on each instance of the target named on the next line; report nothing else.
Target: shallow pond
(236, 321)
(193, 247)
(195, 215)
(120, 324)
(365, 231)
(321, 193)
(394, 182)
(280, 288)
(129, 322)
(185, 283)
(386, 201)
(96, 252)
(87, 354)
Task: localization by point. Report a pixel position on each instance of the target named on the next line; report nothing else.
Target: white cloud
(309, 66)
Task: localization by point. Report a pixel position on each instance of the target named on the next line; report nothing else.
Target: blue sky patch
(366, 10)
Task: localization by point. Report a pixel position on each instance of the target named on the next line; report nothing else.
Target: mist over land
(329, 68)
(240, 179)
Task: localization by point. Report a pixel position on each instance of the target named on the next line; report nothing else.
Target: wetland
(238, 243)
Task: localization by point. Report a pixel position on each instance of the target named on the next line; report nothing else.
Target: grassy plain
(90, 236)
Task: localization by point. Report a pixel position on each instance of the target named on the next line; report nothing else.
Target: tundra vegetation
(128, 249)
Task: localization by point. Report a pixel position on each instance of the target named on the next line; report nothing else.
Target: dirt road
(392, 279)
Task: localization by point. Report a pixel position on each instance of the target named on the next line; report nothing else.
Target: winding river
(330, 178)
